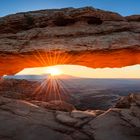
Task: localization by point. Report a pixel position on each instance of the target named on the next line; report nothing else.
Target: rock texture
(36, 90)
(79, 92)
(119, 124)
(26, 121)
(55, 105)
(84, 36)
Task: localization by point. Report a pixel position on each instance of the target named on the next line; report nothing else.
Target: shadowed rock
(125, 102)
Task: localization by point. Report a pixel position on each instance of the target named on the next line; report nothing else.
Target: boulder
(126, 101)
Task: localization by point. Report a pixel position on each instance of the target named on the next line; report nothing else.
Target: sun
(54, 71)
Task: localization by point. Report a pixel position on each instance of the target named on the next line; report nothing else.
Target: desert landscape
(83, 93)
(49, 104)
(86, 113)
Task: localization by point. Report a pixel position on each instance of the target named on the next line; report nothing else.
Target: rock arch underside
(84, 36)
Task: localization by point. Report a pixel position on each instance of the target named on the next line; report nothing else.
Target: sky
(81, 71)
(124, 7)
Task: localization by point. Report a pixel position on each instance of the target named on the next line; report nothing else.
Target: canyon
(29, 115)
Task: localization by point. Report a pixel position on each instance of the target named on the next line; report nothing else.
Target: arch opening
(14, 63)
(85, 72)
(85, 88)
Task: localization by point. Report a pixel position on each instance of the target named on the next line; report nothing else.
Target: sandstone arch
(84, 36)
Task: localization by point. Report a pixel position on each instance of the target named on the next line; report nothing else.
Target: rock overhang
(83, 36)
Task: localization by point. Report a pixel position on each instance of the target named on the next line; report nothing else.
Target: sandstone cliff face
(28, 121)
(84, 36)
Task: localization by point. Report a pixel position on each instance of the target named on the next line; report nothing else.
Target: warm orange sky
(81, 71)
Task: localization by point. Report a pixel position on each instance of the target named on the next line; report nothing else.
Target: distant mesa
(65, 76)
(27, 77)
(38, 77)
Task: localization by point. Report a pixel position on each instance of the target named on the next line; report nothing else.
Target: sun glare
(54, 71)
(80, 71)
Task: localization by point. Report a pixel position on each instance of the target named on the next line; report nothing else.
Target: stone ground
(22, 120)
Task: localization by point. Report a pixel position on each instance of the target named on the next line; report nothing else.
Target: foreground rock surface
(26, 121)
(81, 36)
(55, 105)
